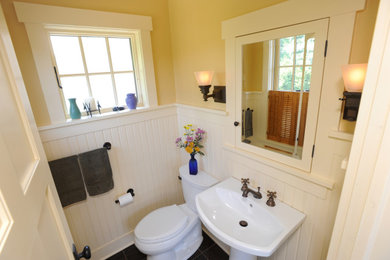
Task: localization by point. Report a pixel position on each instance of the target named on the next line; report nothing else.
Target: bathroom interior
(236, 40)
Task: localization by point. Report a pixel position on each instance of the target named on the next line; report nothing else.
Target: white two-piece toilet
(174, 232)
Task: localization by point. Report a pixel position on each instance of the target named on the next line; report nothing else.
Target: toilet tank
(194, 184)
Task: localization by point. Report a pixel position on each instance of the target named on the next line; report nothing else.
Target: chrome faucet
(245, 189)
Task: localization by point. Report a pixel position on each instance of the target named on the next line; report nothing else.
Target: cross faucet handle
(271, 196)
(244, 180)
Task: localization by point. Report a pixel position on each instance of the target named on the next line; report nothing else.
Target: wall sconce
(204, 79)
(353, 76)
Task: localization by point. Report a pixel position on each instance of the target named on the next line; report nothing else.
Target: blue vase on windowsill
(193, 164)
(131, 101)
(74, 111)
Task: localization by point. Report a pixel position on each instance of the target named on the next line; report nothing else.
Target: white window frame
(293, 66)
(38, 19)
(320, 28)
(58, 31)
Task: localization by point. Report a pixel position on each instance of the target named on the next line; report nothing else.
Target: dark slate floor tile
(132, 253)
(195, 255)
(206, 243)
(208, 250)
(199, 257)
(215, 253)
(117, 256)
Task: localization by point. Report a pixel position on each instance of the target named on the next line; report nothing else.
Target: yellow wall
(361, 44)
(197, 43)
(186, 38)
(161, 45)
(252, 67)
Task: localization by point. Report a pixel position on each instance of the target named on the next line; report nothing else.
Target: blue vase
(193, 165)
(131, 101)
(74, 110)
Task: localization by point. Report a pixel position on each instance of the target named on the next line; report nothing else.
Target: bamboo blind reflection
(283, 115)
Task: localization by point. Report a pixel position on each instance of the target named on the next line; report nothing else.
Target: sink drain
(243, 223)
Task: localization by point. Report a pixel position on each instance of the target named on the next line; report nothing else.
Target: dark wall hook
(107, 145)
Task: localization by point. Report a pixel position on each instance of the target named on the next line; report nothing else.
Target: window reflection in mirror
(276, 77)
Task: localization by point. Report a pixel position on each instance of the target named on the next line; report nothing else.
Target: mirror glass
(276, 77)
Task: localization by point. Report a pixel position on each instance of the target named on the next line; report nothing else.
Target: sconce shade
(353, 76)
(204, 78)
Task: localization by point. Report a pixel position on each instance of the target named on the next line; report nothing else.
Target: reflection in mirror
(276, 76)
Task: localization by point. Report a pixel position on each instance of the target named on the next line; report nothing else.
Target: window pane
(298, 78)
(75, 87)
(95, 51)
(121, 54)
(67, 54)
(307, 79)
(285, 78)
(300, 49)
(286, 51)
(310, 50)
(102, 90)
(125, 83)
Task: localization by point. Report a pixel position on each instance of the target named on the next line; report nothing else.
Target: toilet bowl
(174, 232)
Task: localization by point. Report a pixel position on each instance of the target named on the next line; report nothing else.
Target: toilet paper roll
(125, 199)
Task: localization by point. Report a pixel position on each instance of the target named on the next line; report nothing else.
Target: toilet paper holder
(131, 191)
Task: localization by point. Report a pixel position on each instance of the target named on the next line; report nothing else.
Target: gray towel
(243, 122)
(68, 180)
(96, 170)
(248, 123)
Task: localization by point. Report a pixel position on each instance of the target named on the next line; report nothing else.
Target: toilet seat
(161, 224)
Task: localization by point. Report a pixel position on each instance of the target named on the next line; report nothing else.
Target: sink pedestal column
(236, 254)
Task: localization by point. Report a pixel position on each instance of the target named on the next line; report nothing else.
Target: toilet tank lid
(203, 180)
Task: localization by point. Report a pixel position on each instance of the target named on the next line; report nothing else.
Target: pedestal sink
(247, 225)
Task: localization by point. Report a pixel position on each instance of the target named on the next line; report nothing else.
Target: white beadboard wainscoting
(143, 157)
(310, 193)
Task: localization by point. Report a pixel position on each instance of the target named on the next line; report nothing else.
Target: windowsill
(340, 135)
(310, 177)
(99, 117)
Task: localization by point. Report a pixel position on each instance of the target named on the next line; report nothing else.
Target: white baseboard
(113, 247)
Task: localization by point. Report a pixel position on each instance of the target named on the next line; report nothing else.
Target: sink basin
(222, 210)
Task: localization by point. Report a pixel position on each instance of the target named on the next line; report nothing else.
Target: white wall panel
(143, 157)
(317, 201)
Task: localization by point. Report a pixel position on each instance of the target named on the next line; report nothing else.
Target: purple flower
(199, 131)
(189, 139)
(178, 140)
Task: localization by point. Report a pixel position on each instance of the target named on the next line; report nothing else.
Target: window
(294, 57)
(101, 67)
(97, 44)
(293, 63)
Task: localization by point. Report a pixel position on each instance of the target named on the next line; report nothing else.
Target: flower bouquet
(191, 142)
